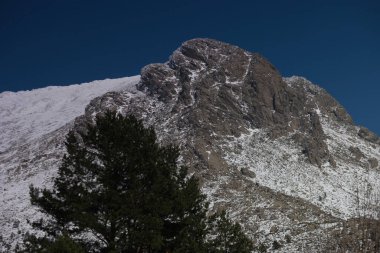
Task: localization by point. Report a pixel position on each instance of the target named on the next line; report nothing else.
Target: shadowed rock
(368, 135)
(240, 90)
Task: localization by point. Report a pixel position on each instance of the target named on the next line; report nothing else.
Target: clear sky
(335, 44)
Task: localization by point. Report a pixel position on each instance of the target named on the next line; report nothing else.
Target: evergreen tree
(62, 244)
(227, 237)
(118, 190)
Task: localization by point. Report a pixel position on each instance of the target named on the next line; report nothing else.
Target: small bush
(288, 239)
(262, 248)
(276, 245)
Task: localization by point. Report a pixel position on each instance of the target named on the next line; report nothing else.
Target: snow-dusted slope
(27, 115)
(284, 168)
(254, 137)
(33, 126)
(280, 154)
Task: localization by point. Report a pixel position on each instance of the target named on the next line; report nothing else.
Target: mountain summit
(281, 155)
(242, 90)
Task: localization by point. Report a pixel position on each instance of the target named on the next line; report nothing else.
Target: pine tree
(227, 237)
(118, 190)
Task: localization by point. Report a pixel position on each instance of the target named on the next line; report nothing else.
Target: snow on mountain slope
(33, 127)
(27, 115)
(254, 137)
(279, 154)
(285, 170)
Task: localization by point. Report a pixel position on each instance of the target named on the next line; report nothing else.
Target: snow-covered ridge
(296, 80)
(27, 115)
(265, 180)
(32, 125)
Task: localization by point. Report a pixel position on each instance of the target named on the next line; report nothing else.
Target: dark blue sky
(58, 42)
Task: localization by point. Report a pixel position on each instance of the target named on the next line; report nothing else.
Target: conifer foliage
(118, 190)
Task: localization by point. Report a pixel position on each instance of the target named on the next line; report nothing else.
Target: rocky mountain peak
(241, 90)
(280, 154)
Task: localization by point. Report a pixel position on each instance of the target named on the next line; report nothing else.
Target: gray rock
(367, 135)
(373, 163)
(273, 229)
(240, 89)
(357, 153)
(248, 173)
(16, 224)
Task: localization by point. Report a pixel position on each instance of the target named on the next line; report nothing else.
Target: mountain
(281, 155)
(33, 127)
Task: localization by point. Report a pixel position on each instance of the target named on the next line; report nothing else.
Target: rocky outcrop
(367, 135)
(373, 163)
(240, 90)
(248, 173)
(355, 151)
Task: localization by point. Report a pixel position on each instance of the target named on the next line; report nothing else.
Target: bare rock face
(246, 172)
(232, 90)
(356, 153)
(368, 135)
(373, 163)
(319, 100)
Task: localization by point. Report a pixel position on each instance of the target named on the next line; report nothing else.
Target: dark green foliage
(262, 248)
(124, 192)
(228, 236)
(62, 244)
(276, 245)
